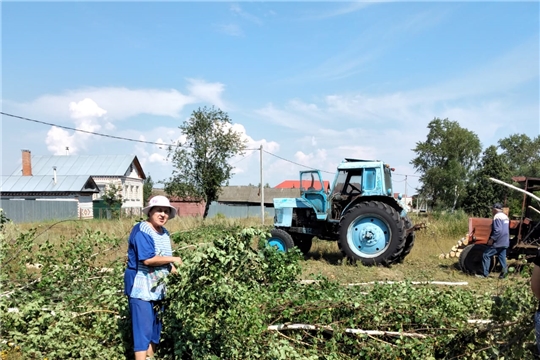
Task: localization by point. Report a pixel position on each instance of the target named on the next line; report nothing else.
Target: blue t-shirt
(141, 281)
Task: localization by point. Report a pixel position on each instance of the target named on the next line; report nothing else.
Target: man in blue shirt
(498, 242)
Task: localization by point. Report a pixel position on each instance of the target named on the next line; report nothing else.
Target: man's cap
(497, 206)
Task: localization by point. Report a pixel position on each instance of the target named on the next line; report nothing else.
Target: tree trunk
(206, 208)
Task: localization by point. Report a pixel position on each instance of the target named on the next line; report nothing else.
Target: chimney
(54, 174)
(26, 163)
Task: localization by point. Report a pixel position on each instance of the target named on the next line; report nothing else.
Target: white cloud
(340, 10)
(58, 139)
(251, 158)
(85, 108)
(230, 29)
(237, 10)
(207, 92)
(86, 114)
(119, 102)
(292, 116)
(157, 158)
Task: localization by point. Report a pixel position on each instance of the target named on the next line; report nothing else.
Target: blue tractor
(358, 211)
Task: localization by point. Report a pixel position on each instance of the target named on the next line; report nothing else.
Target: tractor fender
(384, 199)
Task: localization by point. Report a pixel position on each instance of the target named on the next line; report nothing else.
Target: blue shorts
(145, 322)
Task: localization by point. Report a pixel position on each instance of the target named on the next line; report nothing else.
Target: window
(370, 179)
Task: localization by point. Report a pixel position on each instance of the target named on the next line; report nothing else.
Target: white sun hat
(159, 201)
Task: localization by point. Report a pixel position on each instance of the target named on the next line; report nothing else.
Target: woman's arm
(162, 260)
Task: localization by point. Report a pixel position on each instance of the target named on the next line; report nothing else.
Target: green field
(228, 293)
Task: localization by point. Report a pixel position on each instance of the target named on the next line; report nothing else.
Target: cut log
(452, 254)
(441, 256)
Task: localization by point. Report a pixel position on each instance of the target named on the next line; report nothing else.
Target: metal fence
(238, 211)
(39, 210)
(44, 210)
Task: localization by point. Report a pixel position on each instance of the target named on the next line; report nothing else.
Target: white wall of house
(86, 210)
(133, 193)
(132, 190)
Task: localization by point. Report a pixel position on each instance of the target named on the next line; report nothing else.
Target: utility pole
(262, 186)
(405, 187)
(406, 199)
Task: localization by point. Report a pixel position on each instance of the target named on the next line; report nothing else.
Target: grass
(422, 264)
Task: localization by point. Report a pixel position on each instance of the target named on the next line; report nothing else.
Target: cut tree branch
(349, 331)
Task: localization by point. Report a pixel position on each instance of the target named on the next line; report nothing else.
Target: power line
(92, 133)
(295, 163)
(244, 157)
(408, 175)
(87, 132)
(156, 143)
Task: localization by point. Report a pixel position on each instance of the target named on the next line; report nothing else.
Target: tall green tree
(148, 186)
(200, 162)
(444, 161)
(482, 192)
(522, 154)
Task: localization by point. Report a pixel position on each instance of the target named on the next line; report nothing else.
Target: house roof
(251, 194)
(45, 183)
(295, 184)
(245, 194)
(89, 165)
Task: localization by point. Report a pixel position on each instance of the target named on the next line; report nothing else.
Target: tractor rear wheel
(470, 259)
(281, 240)
(373, 233)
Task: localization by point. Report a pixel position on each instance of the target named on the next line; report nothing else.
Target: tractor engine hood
(283, 208)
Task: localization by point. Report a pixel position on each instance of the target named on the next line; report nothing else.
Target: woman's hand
(177, 260)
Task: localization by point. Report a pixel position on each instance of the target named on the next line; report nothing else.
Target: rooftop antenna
(67, 150)
(54, 174)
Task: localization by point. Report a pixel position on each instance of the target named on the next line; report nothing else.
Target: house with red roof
(295, 184)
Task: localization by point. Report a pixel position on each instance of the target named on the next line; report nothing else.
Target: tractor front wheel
(373, 233)
(281, 240)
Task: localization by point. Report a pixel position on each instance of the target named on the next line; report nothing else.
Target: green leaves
(200, 162)
(445, 160)
(68, 307)
(227, 293)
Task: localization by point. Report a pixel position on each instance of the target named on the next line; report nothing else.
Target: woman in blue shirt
(150, 260)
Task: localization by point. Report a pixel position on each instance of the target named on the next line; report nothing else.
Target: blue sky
(313, 82)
